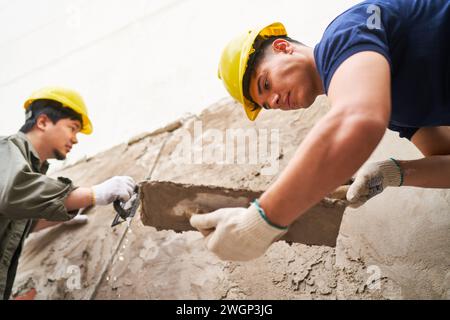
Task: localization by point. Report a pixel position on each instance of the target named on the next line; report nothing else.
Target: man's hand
(238, 234)
(112, 189)
(372, 179)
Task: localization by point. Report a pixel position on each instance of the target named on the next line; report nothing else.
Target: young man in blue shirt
(382, 64)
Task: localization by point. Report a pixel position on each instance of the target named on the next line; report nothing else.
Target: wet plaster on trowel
(169, 206)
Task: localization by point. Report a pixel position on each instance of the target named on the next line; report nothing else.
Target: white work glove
(372, 179)
(239, 234)
(112, 189)
(79, 219)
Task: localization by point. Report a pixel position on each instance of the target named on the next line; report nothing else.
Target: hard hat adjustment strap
(28, 114)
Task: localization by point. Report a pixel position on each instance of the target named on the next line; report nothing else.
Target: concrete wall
(396, 246)
(403, 232)
(96, 261)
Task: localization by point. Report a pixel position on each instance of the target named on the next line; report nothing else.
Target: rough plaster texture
(396, 246)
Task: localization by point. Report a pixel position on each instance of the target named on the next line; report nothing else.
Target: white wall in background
(139, 64)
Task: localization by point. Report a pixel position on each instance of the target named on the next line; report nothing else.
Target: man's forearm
(79, 198)
(330, 154)
(44, 224)
(429, 172)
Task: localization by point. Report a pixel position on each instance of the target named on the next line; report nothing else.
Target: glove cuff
(392, 172)
(263, 215)
(97, 195)
(259, 225)
(92, 196)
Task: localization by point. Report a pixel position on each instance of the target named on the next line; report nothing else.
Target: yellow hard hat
(233, 63)
(68, 98)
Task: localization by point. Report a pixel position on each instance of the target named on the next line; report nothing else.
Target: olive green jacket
(26, 193)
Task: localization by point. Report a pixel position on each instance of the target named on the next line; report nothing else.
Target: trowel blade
(169, 206)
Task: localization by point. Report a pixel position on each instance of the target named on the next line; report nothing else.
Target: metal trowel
(169, 206)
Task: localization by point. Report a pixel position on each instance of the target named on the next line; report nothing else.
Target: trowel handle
(117, 204)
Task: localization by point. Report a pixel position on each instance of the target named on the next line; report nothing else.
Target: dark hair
(54, 110)
(261, 44)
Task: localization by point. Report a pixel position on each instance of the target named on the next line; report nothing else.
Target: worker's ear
(43, 122)
(282, 45)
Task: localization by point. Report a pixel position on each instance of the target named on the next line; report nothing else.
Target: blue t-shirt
(414, 37)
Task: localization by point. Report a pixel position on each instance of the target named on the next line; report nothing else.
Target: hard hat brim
(274, 29)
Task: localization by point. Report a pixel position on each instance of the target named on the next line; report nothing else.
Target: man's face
(61, 136)
(282, 79)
